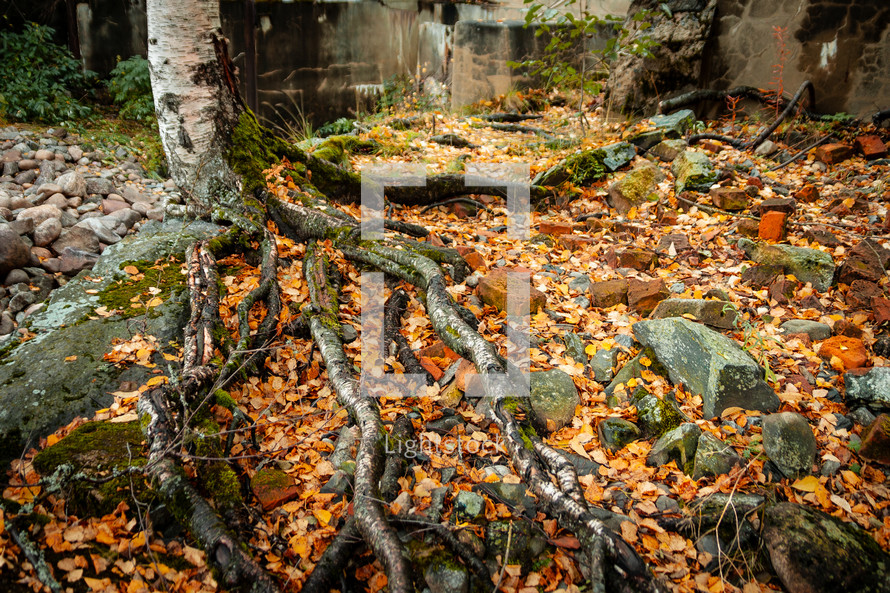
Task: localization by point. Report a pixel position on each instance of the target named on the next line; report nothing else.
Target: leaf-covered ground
(297, 417)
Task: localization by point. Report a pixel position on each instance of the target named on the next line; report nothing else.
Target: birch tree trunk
(196, 97)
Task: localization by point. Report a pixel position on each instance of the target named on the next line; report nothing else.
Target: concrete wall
(842, 46)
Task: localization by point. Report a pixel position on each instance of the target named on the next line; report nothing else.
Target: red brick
(786, 205)
(438, 350)
(831, 154)
(575, 243)
(729, 198)
(462, 210)
(881, 309)
(807, 193)
(598, 224)
(556, 228)
(748, 227)
(850, 351)
(273, 488)
(710, 146)
(772, 226)
(667, 216)
(475, 260)
(492, 290)
(870, 146)
(461, 377)
(756, 182)
(464, 249)
(842, 327)
(608, 293)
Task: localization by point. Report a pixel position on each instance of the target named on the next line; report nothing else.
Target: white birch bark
(195, 107)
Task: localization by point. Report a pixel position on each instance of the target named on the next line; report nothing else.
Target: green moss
(586, 167)
(164, 275)
(217, 477)
(93, 448)
(225, 400)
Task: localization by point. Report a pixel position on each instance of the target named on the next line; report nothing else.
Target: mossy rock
(693, 171)
(806, 264)
(588, 166)
(616, 433)
(96, 448)
(655, 415)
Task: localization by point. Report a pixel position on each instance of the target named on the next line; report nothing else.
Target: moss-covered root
(32, 552)
(237, 569)
(369, 511)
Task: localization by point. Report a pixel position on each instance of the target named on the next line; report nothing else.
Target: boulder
(553, 399)
(713, 457)
(14, 252)
(868, 387)
(807, 265)
(693, 171)
(636, 187)
(719, 314)
(813, 552)
(678, 445)
(789, 443)
(707, 363)
(588, 165)
(657, 416)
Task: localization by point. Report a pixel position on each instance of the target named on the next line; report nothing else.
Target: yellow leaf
(156, 381)
(807, 484)
(645, 361)
(51, 440)
(170, 357)
(70, 358)
(323, 516)
(154, 302)
(590, 350)
(131, 270)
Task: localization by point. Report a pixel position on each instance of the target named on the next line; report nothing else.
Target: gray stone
(581, 283)
(807, 265)
(813, 552)
(76, 152)
(7, 324)
(603, 363)
(638, 186)
(132, 195)
(708, 364)
(22, 227)
(666, 504)
(678, 445)
(693, 171)
(615, 433)
(862, 416)
(469, 505)
(869, 388)
(789, 443)
(73, 260)
(102, 232)
(57, 200)
(48, 189)
(39, 213)
(15, 277)
(77, 237)
(766, 148)
(127, 216)
(553, 399)
(25, 177)
(719, 314)
(339, 483)
(446, 576)
(713, 457)
(676, 124)
(22, 300)
(99, 185)
(14, 253)
(47, 232)
(72, 184)
(817, 331)
(575, 347)
(513, 495)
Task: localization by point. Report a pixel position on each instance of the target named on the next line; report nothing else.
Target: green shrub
(40, 80)
(130, 85)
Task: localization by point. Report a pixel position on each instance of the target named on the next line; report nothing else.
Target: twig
(806, 85)
(799, 154)
(470, 201)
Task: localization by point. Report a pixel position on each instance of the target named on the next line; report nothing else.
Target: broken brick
(755, 181)
(786, 205)
(438, 349)
(881, 309)
(807, 193)
(575, 242)
(870, 146)
(748, 227)
(637, 259)
(431, 367)
(273, 488)
(475, 260)
(644, 295)
(608, 293)
(843, 327)
(831, 154)
(861, 293)
(876, 440)
(772, 226)
(492, 290)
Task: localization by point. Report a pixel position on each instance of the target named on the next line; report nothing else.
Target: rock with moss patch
(587, 166)
(446, 576)
(719, 314)
(36, 398)
(678, 445)
(553, 399)
(668, 150)
(655, 415)
(95, 448)
(814, 552)
(273, 488)
(674, 125)
(616, 433)
(806, 264)
(713, 457)
(638, 186)
(693, 171)
(708, 364)
(468, 506)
